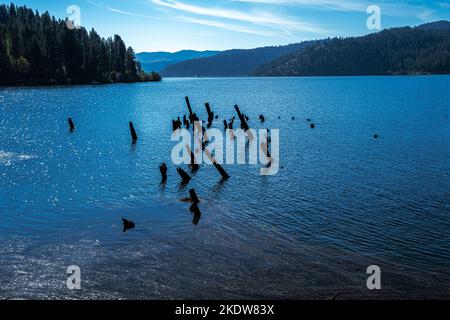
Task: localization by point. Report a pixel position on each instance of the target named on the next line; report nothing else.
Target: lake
(342, 200)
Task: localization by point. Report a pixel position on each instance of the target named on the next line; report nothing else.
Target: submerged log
(194, 166)
(127, 225)
(188, 105)
(197, 214)
(194, 197)
(210, 113)
(219, 168)
(193, 117)
(71, 125)
(184, 176)
(163, 169)
(174, 125)
(133, 132)
(244, 124)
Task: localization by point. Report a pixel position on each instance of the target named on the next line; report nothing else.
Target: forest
(419, 50)
(38, 49)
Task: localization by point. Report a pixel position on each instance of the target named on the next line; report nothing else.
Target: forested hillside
(38, 49)
(420, 50)
(230, 63)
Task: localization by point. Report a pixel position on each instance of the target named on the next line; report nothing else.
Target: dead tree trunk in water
(184, 176)
(194, 166)
(133, 132)
(188, 105)
(197, 214)
(71, 125)
(242, 118)
(163, 169)
(194, 197)
(216, 165)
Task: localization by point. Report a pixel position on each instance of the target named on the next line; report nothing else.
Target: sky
(172, 25)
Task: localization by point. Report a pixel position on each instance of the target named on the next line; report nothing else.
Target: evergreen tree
(38, 49)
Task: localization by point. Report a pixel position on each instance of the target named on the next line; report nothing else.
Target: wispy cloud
(389, 7)
(123, 12)
(259, 18)
(227, 26)
(342, 5)
(132, 14)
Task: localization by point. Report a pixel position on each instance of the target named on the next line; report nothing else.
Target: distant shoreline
(55, 85)
(217, 77)
(314, 76)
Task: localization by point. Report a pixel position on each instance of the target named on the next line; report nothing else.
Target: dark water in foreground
(342, 201)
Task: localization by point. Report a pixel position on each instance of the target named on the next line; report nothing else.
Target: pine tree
(39, 49)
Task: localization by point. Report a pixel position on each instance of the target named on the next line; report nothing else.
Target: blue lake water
(342, 200)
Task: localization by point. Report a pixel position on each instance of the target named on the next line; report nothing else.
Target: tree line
(420, 50)
(38, 49)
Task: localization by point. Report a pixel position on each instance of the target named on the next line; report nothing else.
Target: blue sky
(172, 25)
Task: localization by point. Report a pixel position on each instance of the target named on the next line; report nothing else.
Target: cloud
(226, 26)
(130, 13)
(127, 13)
(260, 18)
(341, 5)
(389, 7)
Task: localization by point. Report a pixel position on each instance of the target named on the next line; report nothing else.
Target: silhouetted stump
(216, 165)
(127, 225)
(188, 105)
(312, 126)
(197, 214)
(133, 133)
(221, 170)
(71, 125)
(243, 118)
(193, 117)
(194, 166)
(163, 170)
(194, 197)
(225, 124)
(210, 113)
(184, 176)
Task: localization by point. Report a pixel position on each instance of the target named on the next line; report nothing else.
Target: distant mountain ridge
(230, 63)
(420, 50)
(156, 61)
